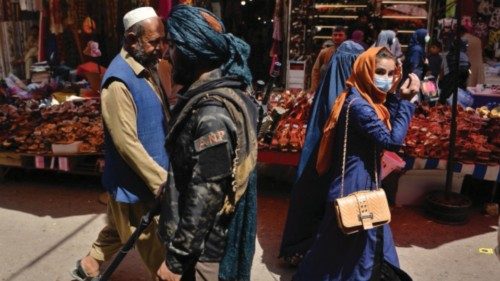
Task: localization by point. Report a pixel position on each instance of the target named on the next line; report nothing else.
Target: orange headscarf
(361, 79)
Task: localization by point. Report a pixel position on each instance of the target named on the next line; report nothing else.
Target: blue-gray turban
(198, 41)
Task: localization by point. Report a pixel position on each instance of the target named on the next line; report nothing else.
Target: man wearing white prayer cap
(135, 117)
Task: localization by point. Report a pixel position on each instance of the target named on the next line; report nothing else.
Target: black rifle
(155, 210)
(145, 222)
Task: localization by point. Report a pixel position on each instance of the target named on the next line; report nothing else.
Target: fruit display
(478, 136)
(26, 127)
(484, 111)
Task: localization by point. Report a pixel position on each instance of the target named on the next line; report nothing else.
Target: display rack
(300, 18)
(330, 15)
(405, 24)
(80, 163)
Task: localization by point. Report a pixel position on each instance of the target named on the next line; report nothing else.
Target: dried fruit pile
(478, 138)
(26, 128)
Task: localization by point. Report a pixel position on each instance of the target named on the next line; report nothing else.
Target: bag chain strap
(344, 153)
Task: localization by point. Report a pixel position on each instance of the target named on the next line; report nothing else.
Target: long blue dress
(415, 55)
(334, 255)
(307, 200)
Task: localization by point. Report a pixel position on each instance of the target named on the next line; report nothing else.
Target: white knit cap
(138, 15)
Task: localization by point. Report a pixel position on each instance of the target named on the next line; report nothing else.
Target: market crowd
(180, 126)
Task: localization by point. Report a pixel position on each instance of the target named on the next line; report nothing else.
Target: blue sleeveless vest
(118, 178)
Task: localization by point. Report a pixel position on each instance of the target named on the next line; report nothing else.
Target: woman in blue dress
(377, 120)
(307, 200)
(415, 55)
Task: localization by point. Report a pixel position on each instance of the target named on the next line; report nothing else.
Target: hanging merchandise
(481, 31)
(79, 11)
(56, 20)
(71, 13)
(485, 7)
(10, 11)
(13, 49)
(88, 26)
(28, 5)
(493, 40)
(446, 29)
(450, 10)
(277, 30)
(277, 33)
(467, 23)
(495, 19)
(164, 7)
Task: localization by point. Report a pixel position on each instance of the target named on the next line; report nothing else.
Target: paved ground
(48, 222)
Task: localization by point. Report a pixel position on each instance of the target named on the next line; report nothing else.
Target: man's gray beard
(148, 61)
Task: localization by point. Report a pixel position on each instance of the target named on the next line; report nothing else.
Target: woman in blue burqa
(388, 39)
(309, 191)
(415, 55)
(378, 120)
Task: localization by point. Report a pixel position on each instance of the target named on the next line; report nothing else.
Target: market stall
(49, 94)
(52, 129)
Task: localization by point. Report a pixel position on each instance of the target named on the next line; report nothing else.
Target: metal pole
(286, 56)
(431, 16)
(453, 128)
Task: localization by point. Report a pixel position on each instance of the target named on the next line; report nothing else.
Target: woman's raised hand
(410, 87)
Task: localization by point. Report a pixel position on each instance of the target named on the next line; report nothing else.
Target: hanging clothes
(14, 47)
(415, 55)
(164, 8)
(38, 5)
(475, 53)
(56, 17)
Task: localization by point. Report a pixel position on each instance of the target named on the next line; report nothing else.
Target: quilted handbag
(364, 209)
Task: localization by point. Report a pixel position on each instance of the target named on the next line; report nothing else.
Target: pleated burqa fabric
(309, 191)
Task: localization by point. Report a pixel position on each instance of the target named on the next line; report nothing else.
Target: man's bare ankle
(90, 266)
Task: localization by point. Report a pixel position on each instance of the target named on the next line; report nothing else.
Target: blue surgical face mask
(383, 83)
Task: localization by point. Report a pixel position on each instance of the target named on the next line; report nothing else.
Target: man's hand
(410, 87)
(159, 191)
(164, 274)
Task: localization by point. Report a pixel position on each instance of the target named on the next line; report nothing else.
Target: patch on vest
(214, 155)
(209, 140)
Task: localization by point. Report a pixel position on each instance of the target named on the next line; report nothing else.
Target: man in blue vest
(135, 119)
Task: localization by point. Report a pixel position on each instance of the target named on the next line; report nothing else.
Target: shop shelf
(321, 37)
(405, 2)
(326, 6)
(404, 17)
(10, 159)
(337, 17)
(406, 31)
